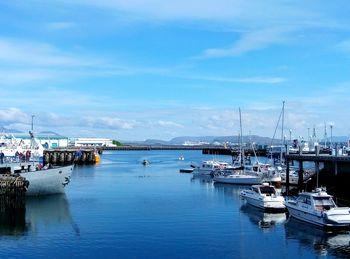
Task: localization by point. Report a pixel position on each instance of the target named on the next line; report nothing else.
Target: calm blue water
(121, 209)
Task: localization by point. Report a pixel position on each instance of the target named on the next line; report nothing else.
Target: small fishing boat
(319, 208)
(264, 196)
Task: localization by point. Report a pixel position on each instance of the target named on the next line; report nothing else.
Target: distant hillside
(209, 139)
(6, 130)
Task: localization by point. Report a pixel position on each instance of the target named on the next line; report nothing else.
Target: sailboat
(238, 176)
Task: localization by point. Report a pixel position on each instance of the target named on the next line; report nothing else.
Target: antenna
(33, 122)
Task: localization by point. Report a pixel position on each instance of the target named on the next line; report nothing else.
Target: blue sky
(133, 70)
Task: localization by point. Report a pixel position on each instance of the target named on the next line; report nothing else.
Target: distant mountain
(209, 139)
(6, 130)
(49, 133)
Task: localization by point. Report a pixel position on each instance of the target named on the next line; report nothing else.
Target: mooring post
(300, 176)
(317, 170)
(287, 176)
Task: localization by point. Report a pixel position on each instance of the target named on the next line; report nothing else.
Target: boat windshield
(324, 203)
(268, 190)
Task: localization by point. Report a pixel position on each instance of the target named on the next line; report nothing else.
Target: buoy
(97, 158)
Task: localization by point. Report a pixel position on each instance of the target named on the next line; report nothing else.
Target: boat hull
(238, 179)
(316, 219)
(270, 204)
(50, 181)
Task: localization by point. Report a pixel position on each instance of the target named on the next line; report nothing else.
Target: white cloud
(60, 25)
(22, 52)
(252, 40)
(168, 124)
(343, 46)
(243, 80)
(11, 115)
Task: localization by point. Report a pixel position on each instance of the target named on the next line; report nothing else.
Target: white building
(46, 139)
(93, 142)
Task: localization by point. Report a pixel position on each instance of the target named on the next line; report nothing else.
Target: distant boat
(181, 158)
(319, 208)
(145, 162)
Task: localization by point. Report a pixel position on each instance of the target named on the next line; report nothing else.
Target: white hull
(317, 218)
(238, 179)
(264, 197)
(266, 205)
(48, 181)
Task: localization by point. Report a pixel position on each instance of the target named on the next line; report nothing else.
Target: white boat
(48, 180)
(265, 197)
(319, 208)
(237, 177)
(266, 171)
(208, 167)
(13, 148)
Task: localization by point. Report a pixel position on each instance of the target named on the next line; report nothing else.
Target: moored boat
(237, 177)
(42, 181)
(264, 196)
(319, 208)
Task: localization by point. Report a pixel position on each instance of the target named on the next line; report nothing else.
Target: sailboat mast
(282, 133)
(241, 139)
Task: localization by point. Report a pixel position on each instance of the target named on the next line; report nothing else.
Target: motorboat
(236, 177)
(41, 180)
(208, 167)
(264, 196)
(318, 208)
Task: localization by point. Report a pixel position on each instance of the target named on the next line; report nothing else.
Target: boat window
(307, 200)
(324, 203)
(268, 190)
(255, 189)
(302, 199)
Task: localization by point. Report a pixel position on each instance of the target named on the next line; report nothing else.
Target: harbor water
(123, 209)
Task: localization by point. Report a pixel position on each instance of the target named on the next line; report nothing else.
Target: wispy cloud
(343, 46)
(60, 25)
(250, 41)
(22, 52)
(243, 80)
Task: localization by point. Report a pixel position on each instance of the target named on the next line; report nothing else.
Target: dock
(70, 156)
(337, 166)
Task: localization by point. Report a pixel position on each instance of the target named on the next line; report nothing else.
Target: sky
(157, 69)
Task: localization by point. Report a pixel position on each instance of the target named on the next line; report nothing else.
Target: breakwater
(70, 156)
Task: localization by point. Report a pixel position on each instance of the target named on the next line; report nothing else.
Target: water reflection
(12, 216)
(263, 220)
(18, 218)
(230, 189)
(203, 179)
(324, 243)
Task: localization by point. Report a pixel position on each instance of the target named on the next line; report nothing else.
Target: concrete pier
(335, 165)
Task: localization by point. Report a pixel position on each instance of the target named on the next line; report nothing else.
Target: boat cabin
(320, 201)
(264, 189)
